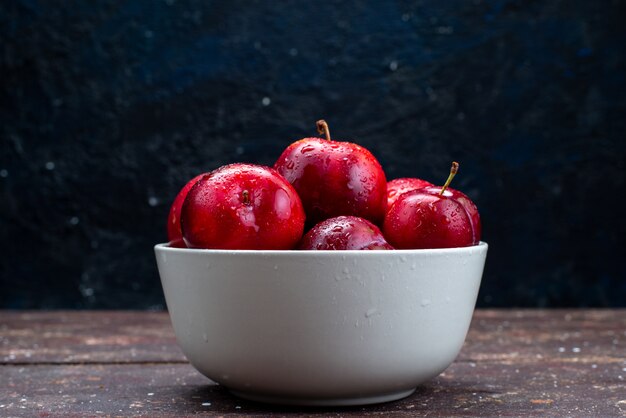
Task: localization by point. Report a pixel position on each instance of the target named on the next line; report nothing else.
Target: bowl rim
(480, 247)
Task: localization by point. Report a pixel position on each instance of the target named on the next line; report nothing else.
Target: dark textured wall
(108, 107)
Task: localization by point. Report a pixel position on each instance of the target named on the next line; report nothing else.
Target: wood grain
(87, 337)
(514, 363)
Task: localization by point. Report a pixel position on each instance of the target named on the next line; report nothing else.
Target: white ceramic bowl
(321, 327)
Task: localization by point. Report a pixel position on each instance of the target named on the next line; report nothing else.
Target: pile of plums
(337, 191)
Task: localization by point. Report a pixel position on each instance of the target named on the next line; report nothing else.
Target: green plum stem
(453, 170)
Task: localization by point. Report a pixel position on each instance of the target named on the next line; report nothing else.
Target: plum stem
(322, 128)
(246, 197)
(453, 170)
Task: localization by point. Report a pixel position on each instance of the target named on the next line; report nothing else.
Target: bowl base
(367, 400)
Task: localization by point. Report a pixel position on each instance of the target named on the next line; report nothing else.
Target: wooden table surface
(514, 363)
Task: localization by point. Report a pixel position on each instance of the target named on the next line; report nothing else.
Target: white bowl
(321, 327)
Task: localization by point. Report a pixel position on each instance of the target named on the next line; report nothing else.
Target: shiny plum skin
(397, 187)
(469, 206)
(174, 233)
(242, 207)
(420, 219)
(335, 178)
(344, 233)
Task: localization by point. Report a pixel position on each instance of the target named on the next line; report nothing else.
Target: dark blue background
(108, 107)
